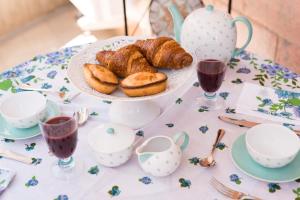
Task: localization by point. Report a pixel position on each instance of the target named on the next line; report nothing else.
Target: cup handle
(186, 140)
(245, 21)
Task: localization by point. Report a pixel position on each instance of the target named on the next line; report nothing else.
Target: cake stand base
(133, 114)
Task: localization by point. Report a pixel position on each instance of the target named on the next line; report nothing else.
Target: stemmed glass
(60, 133)
(210, 75)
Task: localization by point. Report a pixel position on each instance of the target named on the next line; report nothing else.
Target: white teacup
(272, 145)
(24, 109)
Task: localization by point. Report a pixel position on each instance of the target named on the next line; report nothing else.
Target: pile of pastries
(136, 65)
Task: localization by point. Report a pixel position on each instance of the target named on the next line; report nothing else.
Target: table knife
(15, 156)
(244, 123)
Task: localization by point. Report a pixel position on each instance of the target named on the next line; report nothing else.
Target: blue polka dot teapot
(208, 33)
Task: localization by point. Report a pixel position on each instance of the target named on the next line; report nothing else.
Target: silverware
(245, 123)
(233, 194)
(15, 156)
(82, 115)
(62, 95)
(30, 88)
(209, 161)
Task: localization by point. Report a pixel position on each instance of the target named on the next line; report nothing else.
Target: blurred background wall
(14, 14)
(30, 27)
(276, 28)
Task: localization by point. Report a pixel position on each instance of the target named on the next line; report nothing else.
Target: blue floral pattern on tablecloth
(49, 72)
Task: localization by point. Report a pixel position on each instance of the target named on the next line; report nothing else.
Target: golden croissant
(125, 61)
(164, 52)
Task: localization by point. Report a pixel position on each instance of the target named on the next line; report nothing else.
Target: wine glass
(210, 75)
(60, 133)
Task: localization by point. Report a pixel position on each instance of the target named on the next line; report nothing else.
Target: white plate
(176, 78)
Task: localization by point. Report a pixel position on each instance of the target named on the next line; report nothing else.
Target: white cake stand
(134, 112)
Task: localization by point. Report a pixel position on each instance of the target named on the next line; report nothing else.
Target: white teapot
(207, 33)
(161, 155)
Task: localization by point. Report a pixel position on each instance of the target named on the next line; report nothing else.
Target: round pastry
(100, 78)
(144, 84)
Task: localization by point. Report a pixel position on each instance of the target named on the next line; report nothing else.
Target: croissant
(125, 61)
(164, 52)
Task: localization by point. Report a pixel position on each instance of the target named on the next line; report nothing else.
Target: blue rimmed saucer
(247, 165)
(9, 132)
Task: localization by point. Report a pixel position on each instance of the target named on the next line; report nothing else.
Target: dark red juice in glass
(210, 74)
(61, 135)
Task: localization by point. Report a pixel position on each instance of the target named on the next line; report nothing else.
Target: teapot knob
(210, 8)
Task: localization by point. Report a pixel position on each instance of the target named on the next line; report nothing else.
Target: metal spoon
(62, 95)
(82, 115)
(209, 160)
(30, 88)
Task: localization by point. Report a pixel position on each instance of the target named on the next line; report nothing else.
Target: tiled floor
(45, 35)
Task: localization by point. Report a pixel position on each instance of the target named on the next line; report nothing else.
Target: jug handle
(186, 140)
(245, 21)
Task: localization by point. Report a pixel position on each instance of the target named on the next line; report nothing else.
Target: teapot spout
(177, 21)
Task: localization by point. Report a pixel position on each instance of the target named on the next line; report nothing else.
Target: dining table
(180, 112)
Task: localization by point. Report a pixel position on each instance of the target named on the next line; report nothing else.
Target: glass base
(211, 101)
(67, 169)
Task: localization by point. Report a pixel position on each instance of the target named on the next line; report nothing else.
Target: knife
(15, 156)
(244, 123)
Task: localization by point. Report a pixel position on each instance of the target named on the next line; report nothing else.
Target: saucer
(9, 132)
(247, 165)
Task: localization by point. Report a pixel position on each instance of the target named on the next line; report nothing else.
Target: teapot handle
(244, 20)
(186, 140)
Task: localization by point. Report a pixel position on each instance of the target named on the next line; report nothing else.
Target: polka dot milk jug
(208, 33)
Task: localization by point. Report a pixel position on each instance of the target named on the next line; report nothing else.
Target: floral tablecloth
(190, 181)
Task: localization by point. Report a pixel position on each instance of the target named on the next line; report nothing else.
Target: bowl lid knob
(210, 8)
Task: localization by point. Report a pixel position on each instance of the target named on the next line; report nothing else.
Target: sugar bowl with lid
(112, 144)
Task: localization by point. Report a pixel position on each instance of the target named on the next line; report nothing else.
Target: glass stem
(66, 163)
(210, 95)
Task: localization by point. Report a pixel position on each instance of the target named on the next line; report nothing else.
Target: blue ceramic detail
(210, 8)
(145, 156)
(177, 21)
(11, 133)
(110, 131)
(247, 165)
(186, 139)
(245, 21)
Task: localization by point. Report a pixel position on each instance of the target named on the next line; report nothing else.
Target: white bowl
(24, 109)
(272, 145)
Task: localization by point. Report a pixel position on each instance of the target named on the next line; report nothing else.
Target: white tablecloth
(181, 112)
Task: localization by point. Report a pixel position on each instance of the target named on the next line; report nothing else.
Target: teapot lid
(110, 138)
